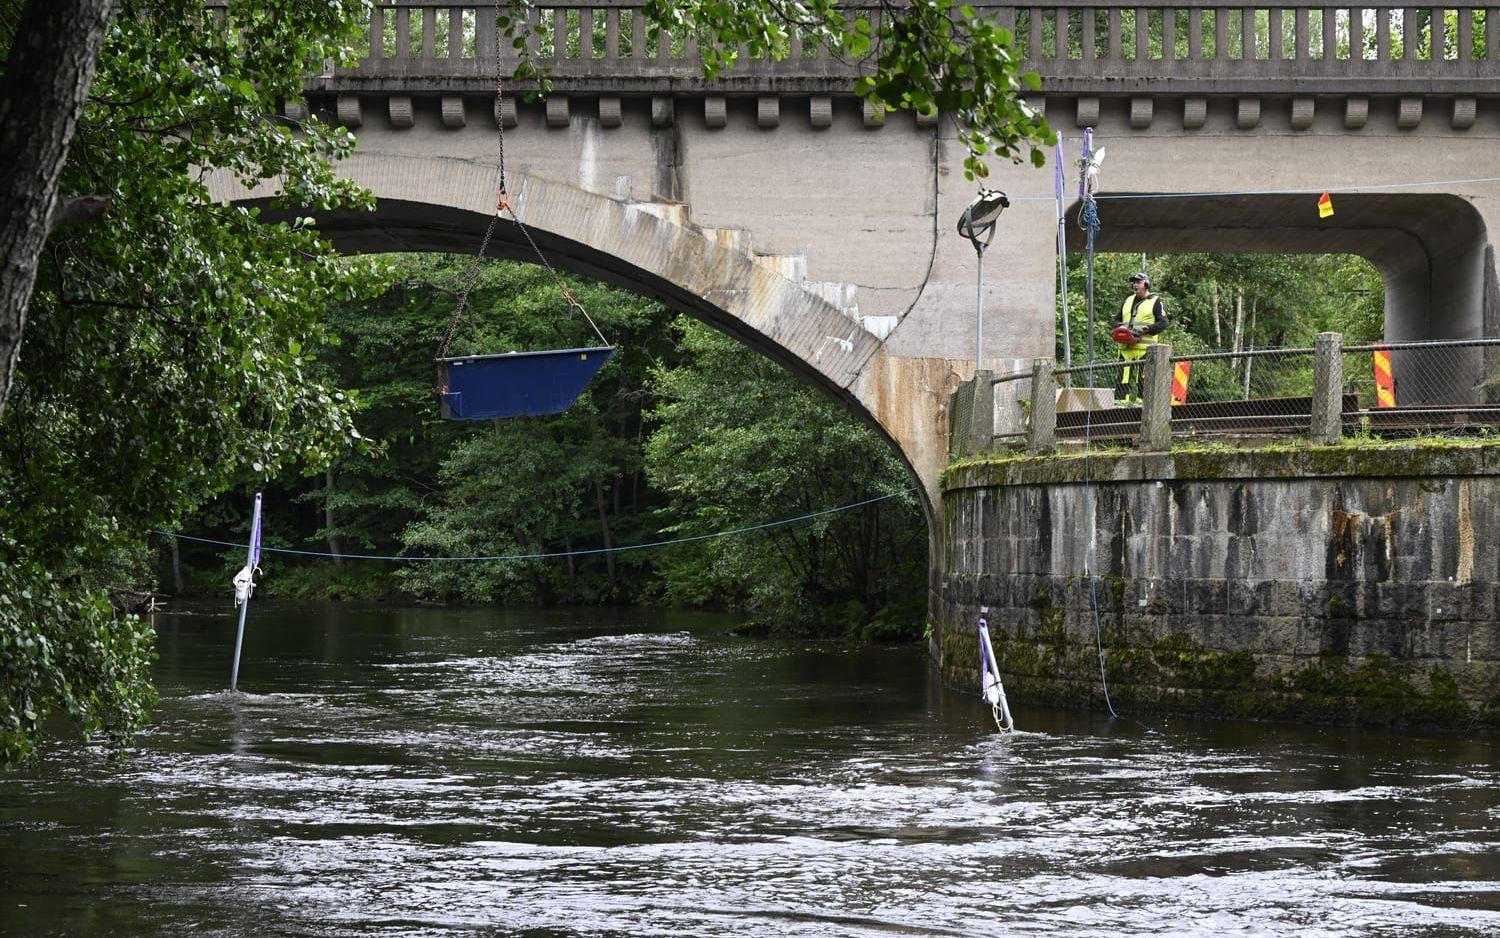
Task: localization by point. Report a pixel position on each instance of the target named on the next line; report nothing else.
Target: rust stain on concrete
(1465, 537)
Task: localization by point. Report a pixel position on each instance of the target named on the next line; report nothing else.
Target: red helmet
(1124, 335)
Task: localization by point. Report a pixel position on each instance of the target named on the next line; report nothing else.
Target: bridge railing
(1325, 392)
(1077, 46)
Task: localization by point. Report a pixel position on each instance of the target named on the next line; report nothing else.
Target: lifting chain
(503, 207)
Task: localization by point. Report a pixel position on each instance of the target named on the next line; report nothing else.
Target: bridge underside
(1430, 249)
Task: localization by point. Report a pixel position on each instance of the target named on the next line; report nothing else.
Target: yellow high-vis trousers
(1128, 391)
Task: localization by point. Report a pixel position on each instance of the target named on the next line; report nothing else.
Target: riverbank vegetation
(169, 344)
(172, 342)
(683, 435)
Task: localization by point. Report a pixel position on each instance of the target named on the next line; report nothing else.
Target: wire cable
(1089, 219)
(545, 556)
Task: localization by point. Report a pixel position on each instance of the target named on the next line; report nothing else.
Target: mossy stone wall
(1330, 584)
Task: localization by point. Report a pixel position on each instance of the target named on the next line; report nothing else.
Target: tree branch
(79, 210)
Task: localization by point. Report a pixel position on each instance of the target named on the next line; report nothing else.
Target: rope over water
(545, 556)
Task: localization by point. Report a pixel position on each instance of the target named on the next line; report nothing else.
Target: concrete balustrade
(1258, 57)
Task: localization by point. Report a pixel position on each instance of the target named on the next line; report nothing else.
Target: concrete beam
(715, 112)
(609, 111)
(454, 115)
(1247, 113)
(349, 111)
(768, 111)
(1194, 112)
(663, 111)
(1086, 111)
(1303, 110)
(1140, 112)
(820, 111)
(399, 108)
(1409, 113)
(505, 112)
(1356, 112)
(1465, 108)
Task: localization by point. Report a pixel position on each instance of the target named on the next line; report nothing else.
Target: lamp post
(978, 225)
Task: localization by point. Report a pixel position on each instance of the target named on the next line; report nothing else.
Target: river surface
(519, 772)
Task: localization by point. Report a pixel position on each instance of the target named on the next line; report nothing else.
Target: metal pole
(1088, 302)
(979, 331)
(1060, 178)
(252, 557)
(239, 638)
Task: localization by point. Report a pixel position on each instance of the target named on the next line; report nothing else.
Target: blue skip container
(517, 384)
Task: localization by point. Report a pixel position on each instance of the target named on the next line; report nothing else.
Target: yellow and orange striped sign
(1180, 372)
(1385, 383)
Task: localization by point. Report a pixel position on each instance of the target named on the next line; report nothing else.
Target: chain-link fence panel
(1406, 388)
(1100, 402)
(1260, 392)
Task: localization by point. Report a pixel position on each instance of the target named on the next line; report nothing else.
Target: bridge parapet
(1083, 47)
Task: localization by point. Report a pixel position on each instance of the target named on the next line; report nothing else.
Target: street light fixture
(978, 225)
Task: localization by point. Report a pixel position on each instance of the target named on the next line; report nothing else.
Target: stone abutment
(1318, 584)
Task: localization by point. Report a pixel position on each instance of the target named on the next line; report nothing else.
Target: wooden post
(1042, 434)
(1156, 400)
(1327, 424)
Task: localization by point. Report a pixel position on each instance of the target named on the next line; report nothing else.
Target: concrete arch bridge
(776, 206)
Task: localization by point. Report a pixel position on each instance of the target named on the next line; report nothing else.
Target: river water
(420, 771)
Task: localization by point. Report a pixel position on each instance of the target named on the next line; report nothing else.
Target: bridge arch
(650, 248)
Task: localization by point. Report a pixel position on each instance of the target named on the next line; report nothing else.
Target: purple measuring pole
(252, 560)
(255, 534)
(1060, 182)
(1058, 177)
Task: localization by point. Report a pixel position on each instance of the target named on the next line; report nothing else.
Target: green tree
(741, 441)
(170, 347)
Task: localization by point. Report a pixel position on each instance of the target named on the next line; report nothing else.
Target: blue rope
(561, 553)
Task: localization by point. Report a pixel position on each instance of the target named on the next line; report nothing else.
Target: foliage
(923, 56)
(171, 347)
(1292, 297)
(65, 647)
(740, 442)
(436, 487)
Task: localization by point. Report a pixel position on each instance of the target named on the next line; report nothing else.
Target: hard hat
(1124, 335)
(1142, 277)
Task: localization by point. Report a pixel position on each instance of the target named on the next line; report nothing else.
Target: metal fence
(1442, 387)
(1387, 389)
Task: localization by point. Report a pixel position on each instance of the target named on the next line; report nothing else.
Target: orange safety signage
(1385, 383)
(1180, 372)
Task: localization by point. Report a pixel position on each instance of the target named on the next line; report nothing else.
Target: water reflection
(404, 772)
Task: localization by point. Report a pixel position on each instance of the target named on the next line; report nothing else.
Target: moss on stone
(1176, 673)
(1434, 456)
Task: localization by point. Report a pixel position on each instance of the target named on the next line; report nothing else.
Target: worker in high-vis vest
(1142, 319)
